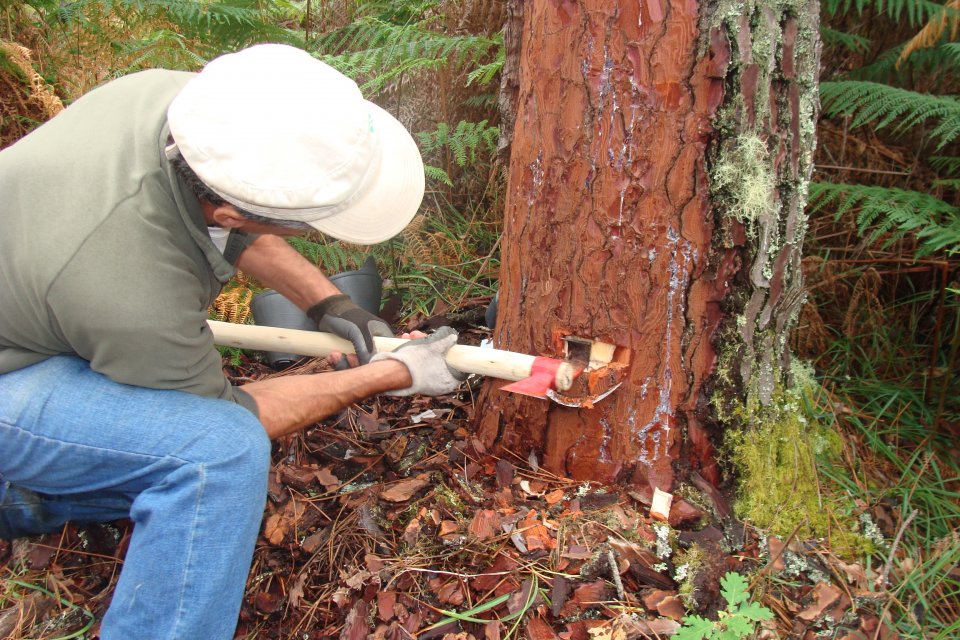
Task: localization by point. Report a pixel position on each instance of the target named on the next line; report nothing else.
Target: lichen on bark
(760, 168)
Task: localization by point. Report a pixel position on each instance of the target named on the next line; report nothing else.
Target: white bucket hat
(277, 132)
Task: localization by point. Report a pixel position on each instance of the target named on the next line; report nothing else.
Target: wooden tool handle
(496, 363)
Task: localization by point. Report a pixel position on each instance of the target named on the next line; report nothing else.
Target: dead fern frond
(423, 247)
(930, 34)
(865, 311)
(233, 303)
(41, 93)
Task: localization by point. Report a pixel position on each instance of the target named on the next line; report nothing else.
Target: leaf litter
(391, 521)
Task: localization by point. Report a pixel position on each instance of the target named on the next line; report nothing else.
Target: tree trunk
(657, 178)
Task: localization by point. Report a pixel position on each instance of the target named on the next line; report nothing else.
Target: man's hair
(203, 192)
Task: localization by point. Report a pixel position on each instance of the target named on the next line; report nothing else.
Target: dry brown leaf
(275, 529)
(451, 593)
(357, 579)
(672, 608)
(266, 602)
(386, 601)
(577, 552)
(374, 563)
(776, 548)
(491, 630)
(412, 533)
(824, 595)
(329, 481)
(296, 592)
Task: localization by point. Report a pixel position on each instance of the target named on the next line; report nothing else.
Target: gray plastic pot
(271, 309)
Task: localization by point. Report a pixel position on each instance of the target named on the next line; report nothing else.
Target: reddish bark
(608, 230)
(613, 230)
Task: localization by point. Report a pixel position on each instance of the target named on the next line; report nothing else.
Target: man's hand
(424, 359)
(339, 315)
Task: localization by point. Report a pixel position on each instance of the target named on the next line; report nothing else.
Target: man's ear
(228, 217)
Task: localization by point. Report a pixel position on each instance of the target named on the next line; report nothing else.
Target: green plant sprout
(739, 620)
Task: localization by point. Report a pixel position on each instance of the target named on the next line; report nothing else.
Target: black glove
(424, 358)
(339, 315)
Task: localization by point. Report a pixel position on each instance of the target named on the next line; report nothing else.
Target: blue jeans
(190, 472)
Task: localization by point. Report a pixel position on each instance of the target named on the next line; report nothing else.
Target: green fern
(464, 141)
(924, 65)
(195, 31)
(916, 11)
(437, 174)
(485, 73)
(382, 51)
(334, 257)
(886, 106)
(848, 41)
(949, 165)
(890, 213)
(951, 51)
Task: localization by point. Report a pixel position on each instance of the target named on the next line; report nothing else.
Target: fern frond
(950, 51)
(485, 73)
(932, 32)
(883, 106)
(464, 141)
(849, 41)
(883, 212)
(372, 47)
(164, 48)
(221, 23)
(949, 165)
(943, 61)
(334, 257)
(916, 11)
(437, 174)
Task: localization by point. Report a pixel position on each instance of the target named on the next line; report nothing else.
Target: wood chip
(386, 600)
(660, 508)
(447, 527)
(356, 627)
(485, 524)
(538, 629)
(404, 490)
(554, 497)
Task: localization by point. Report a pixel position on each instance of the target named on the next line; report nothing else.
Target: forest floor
(392, 521)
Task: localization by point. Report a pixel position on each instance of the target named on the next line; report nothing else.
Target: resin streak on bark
(608, 231)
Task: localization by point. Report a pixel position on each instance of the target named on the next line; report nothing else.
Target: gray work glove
(340, 316)
(424, 358)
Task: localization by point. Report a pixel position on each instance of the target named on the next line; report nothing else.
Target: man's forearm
(277, 265)
(287, 404)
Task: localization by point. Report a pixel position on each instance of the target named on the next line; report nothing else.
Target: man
(122, 217)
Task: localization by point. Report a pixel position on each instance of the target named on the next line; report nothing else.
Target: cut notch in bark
(594, 354)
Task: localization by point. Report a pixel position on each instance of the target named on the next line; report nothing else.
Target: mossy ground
(776, 455)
